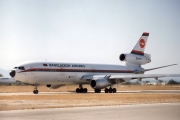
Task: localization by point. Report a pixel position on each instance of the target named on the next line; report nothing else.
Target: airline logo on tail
(141, 44)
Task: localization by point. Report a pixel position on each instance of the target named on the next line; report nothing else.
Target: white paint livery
(99, 76)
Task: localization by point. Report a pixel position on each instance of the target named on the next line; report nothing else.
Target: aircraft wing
(141, 76)
(113, 78)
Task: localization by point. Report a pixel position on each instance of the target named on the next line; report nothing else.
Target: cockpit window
(21, 68)
(15, 67)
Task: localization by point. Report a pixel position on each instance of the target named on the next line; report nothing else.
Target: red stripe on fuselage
(76, 70)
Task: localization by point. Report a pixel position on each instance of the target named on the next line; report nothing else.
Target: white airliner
(98, 76)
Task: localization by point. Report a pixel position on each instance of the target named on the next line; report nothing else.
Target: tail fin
(141, 44)
(137, 57)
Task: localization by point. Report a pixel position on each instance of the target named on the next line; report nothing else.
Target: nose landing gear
(35, 91)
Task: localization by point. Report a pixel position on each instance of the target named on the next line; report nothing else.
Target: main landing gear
(110, 90)
(106, 90)
(97, 90)
(35, 91)
(81, 89)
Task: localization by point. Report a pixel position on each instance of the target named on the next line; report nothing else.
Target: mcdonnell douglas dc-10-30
(98, 76)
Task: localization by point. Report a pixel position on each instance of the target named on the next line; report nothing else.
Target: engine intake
(100, 83)
(122, 57)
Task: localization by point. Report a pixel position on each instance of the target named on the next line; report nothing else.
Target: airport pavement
(163, 111)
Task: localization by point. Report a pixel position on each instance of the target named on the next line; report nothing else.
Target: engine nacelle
(100, 83)
(133, 59)
(53, 86)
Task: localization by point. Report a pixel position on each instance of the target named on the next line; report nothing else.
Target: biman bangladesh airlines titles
(98, 76)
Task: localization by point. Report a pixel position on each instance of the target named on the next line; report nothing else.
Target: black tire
(77, 90)
(97, 90)
(81, 90)
(35, 91)
(110, 90)
(106, 90)
(85, 90)
(114, 90)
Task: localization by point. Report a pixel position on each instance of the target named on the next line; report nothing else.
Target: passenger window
(15, 67)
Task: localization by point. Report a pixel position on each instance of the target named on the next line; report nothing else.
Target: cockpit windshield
(15, 67)
(20, 68)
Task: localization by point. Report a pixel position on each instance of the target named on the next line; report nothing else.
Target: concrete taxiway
(90, 92)
(163, 111)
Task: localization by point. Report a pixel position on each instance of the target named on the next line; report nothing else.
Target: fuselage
(66, 73)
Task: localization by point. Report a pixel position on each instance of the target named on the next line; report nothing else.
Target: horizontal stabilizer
(142, 71)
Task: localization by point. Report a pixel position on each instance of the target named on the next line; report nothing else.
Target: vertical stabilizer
(141, 44)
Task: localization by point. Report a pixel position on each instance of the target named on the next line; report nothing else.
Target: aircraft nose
(12, 73)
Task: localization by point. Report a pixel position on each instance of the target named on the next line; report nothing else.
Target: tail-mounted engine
(133, 59)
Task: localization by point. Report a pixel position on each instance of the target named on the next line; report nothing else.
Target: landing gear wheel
(35, 91)
(97, 90)
(114, 90)
(85, 90)
(77, 90)
(106, 90)
(80, 90)
(110, 90)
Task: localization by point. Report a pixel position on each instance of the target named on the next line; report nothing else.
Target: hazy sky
(92, 31)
